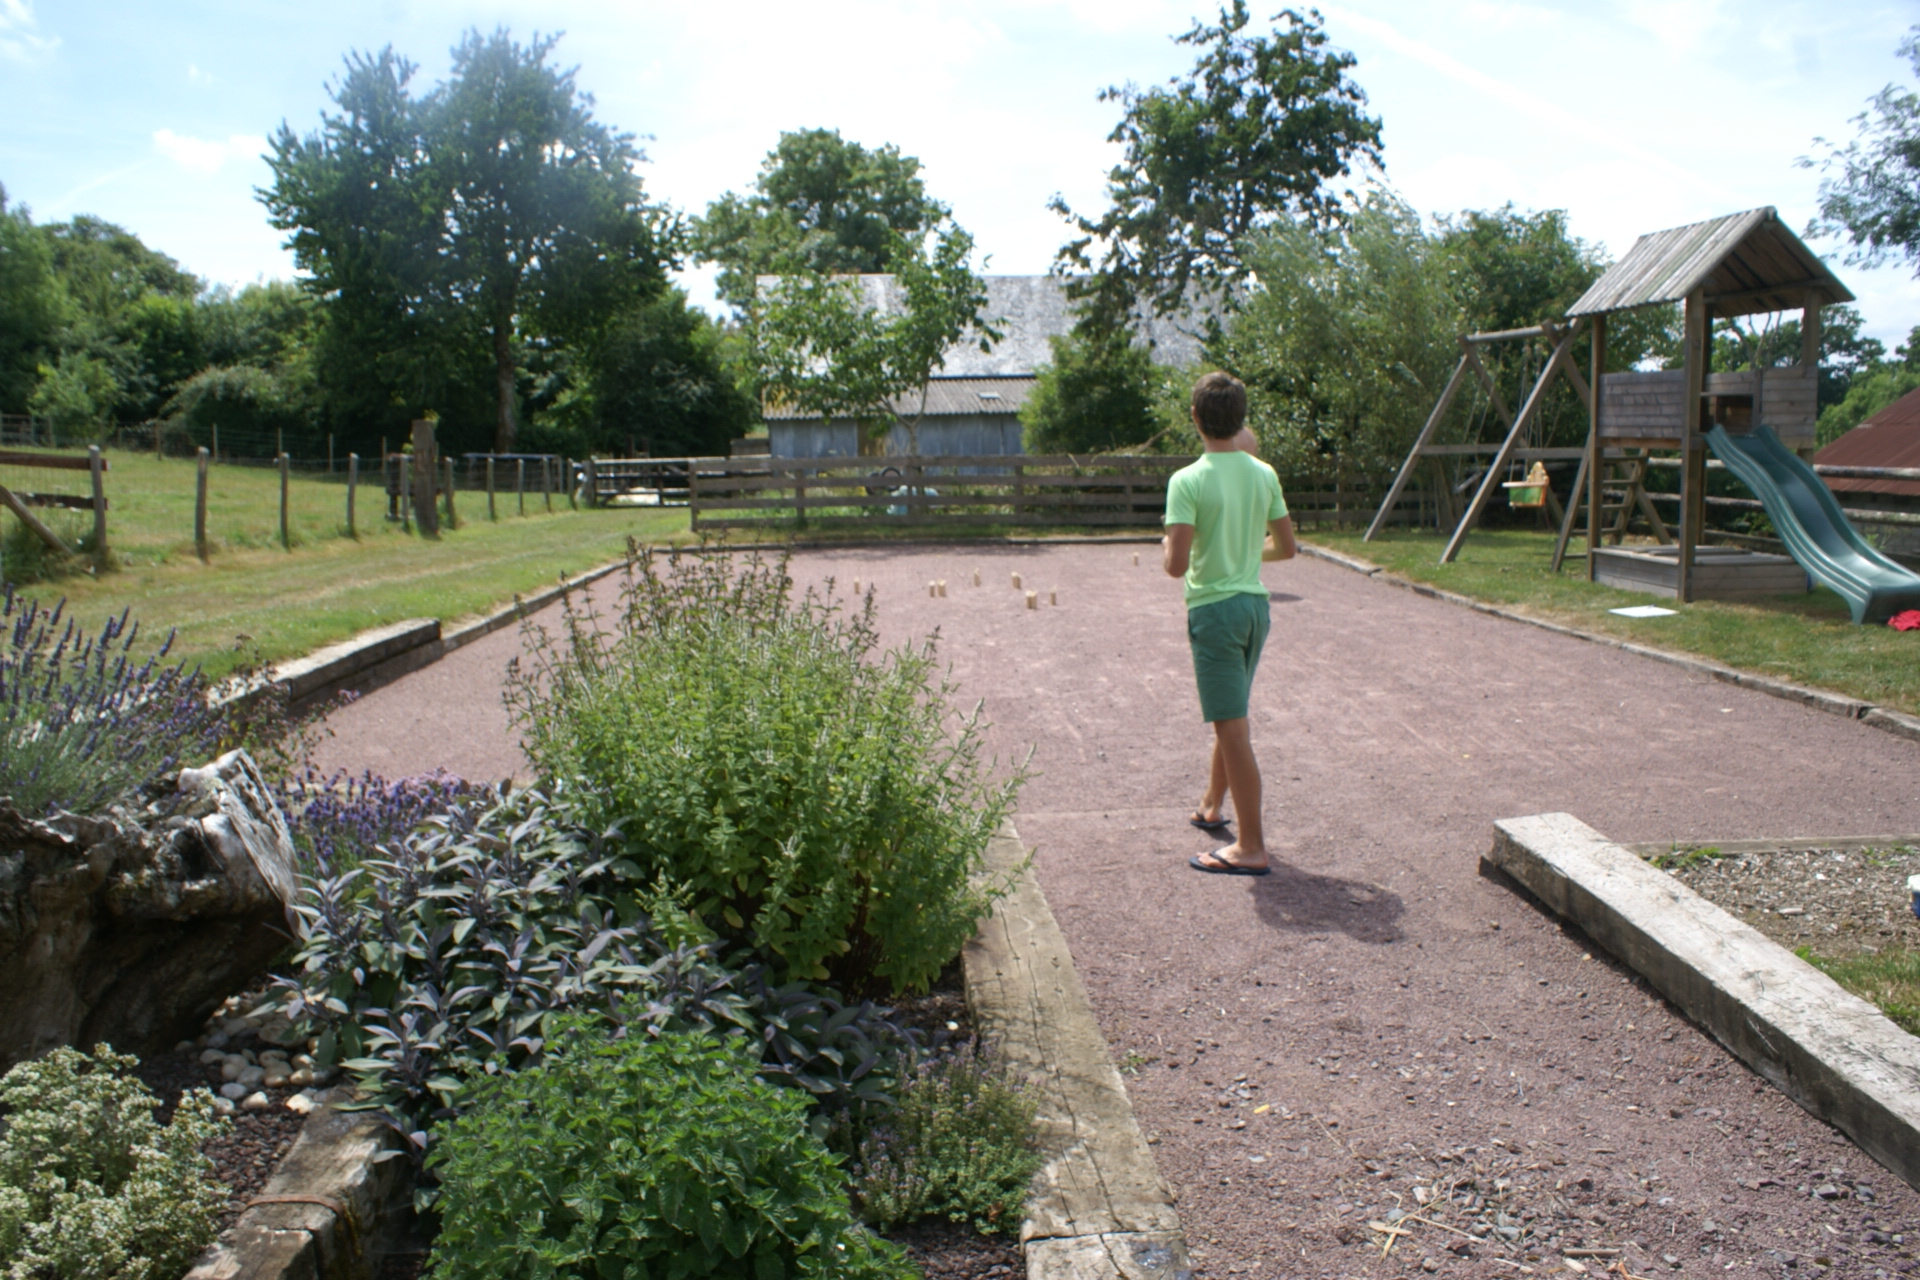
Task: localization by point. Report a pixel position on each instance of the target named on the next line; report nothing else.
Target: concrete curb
(1839, 704)
(1830, 1051)
(1654, 848)
(381, 656)
(330, 1206)
(1098, 1209)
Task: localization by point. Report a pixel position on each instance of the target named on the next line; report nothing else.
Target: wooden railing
(1024, 491)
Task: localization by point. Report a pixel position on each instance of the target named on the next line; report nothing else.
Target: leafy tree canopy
(823, 347)
(1871, 194)
(821, 205)
(1099, 393)
(30, 310)
(1251, 136)
(453, 230)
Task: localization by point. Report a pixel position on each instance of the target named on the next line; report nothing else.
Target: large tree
(30, 311)
(824, 345)
(495, 209)
(821, 205)
(1252, 135)
(1871, 194)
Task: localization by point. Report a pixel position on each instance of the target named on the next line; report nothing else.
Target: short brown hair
(1220, 405)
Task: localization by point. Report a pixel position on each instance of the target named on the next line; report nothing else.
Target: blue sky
(1632, 115)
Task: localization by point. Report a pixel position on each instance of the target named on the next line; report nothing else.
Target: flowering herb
(84, 719)
(336, 820)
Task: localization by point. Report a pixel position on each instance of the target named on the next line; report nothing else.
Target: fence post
(200, 507)
(546, 481)
(216, 440)
(286, 536)
(406, 493)
(426, 464)
(97, 465)
(453, 521)
(800, 497)
(353, 483)
(593, 483)
(520, 483)
(573, 498)
(279, 440)
(491, 513)
(329, 453)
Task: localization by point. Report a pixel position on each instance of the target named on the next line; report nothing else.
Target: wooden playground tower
(1741, 264)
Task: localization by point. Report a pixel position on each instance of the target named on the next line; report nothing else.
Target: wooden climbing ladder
(1623, 490)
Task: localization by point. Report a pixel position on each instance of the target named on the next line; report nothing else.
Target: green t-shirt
(1228, 498)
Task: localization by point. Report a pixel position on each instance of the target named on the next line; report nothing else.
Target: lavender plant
(958, 1145)
(444, 956)
(337, 819)
(85, 718)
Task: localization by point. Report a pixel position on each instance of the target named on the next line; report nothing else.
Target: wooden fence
(1025, 491)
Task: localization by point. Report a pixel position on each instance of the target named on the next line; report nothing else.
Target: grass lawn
(1808, 639)
(1890, 981)
(328, 586)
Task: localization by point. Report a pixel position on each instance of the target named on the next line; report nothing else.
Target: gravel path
(1375, 1022)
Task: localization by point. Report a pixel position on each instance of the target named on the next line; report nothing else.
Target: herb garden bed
(1843, 909)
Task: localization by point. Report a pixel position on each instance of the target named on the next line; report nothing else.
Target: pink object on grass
(1908, 620)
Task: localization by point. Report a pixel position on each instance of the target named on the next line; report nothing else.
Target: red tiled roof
(1890, 438)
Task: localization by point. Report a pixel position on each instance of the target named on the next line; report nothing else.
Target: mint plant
(812, 796)
(644, 1156)
(91, 1185)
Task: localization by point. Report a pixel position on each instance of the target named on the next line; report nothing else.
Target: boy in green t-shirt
(1225, 514)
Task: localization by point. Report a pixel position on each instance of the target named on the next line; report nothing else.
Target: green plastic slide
(1817, 533)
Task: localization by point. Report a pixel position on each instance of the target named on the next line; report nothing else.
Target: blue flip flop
(1214, 828)
(1215, 867)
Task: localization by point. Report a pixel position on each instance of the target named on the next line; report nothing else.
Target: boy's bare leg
(1213, 804)
(1233, 757)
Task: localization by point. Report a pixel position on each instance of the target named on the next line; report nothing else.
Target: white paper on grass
(1644, 611)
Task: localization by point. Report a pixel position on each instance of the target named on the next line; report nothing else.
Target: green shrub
(959, 1145)
(802, 790)
(91, 1186)
(642, 1157)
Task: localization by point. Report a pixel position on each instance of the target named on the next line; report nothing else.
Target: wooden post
(216, 441)
(1440, 408)
(406, 494)
(98, 467)
(492, 514)
(1596, 451)
(200, 507)
(353, 483)
(34, 524)
(1692, 461)
(286, 534)
(593, 482)
(800, 498)
(279, 441)
(573, 498)
(329, 453)
(520, 483)
(426, 468)
(546, 481)
(453, 520)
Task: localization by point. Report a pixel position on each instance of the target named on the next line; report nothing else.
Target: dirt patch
(1838, 902)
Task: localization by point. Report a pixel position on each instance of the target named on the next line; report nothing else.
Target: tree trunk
(128, 928)
(503, 377)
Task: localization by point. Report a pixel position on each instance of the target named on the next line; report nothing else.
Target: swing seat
(1530, 492)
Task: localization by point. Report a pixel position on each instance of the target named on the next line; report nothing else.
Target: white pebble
(210, 1056)
(230, 1068)
(185, 1046)
(302, 1060)
(235, 1027)
(275, 1079)
(300, 1104)
(233, 1091)
(223, 1106)
(256, 1102)
(252, 1075)
(300, 1076)
(249, 1055)
(321, 1077)
(217, 1040)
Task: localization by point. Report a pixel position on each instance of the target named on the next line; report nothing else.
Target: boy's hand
(1280, 544)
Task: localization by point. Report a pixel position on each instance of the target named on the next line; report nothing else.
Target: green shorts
(1226, 637)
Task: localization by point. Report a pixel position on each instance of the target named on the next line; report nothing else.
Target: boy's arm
(1175, 549)
(1280, 544)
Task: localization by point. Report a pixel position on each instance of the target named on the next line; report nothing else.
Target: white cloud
(19, 40)
(205, 155)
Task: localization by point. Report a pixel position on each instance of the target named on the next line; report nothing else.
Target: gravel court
(1374, 1017)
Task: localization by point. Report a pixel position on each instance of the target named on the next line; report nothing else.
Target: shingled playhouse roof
(1743, 263)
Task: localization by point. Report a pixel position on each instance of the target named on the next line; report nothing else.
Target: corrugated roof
(1890, 438)
(1744, 263)
(1028, 310)
(948, 397)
